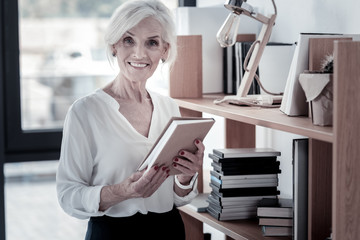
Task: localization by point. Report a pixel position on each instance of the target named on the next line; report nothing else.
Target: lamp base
(252, 100)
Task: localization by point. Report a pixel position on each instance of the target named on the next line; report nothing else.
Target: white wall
(294, 17)
(206, 21)
(306, 16)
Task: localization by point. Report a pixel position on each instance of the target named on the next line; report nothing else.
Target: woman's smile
(138, 65)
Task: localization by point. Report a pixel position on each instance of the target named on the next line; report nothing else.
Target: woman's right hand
(139, 184)
(144, 184)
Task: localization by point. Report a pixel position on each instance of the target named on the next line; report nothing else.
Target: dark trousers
(167, 225)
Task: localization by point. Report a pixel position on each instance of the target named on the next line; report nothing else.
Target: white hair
(131, 13)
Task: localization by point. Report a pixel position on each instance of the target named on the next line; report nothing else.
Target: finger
(194, 156)
(136, 176)
(149, 175)
(153, 188)
(199, 144)
(156, 183)
(144, 186)
(188, 155)
(183, 169)
(160, 175)
(183, 162)
(191, 159)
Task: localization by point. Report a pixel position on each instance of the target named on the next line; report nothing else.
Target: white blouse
(100, 147)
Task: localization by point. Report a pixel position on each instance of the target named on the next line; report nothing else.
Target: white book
(274, 66)
(240, 200)
(294, 100)
(245, 152)
(238, 65)
(273, 178)
(243, 177)
(179, 134)
(199, 203)
(246, 184)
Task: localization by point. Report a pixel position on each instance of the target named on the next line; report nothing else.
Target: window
(62, 57)
(54, 53)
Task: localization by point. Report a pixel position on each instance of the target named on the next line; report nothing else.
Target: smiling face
(139, 50)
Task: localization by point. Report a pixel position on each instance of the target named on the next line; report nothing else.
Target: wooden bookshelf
(334, 192)
(240, 132)
(346, 146)
(248, 229)
(266, 117)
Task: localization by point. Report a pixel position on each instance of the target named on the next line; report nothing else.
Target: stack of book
(276, 216)
(234, 58)
(240, 178)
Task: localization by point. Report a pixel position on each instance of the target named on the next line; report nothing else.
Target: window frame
(19, 144)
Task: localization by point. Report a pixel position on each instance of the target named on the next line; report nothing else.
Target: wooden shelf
(266, 117)
(241, 121)
(238, 229)
(333, 191)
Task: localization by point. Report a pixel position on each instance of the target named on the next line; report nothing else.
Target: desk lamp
(226, 36)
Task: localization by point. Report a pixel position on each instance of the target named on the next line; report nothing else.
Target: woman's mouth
(138, 65)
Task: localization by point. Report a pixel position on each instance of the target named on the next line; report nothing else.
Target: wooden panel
(239, 134)
(320, 180)
(245, 37)
(266, 117)
(247, 229)
(186, 74)
(318, 49)
(193, 227)
(346, 187)
(189, 113)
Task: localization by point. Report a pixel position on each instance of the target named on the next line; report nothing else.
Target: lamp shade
(226, 36)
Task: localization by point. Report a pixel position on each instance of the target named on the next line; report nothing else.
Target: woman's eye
(153, 43)
(128, 40)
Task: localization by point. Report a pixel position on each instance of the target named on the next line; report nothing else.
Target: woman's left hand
(189, 163)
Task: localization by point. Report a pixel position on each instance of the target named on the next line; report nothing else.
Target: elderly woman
(108, 133)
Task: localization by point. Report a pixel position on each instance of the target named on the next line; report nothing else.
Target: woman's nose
(139, 51)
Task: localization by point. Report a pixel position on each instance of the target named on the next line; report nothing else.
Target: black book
(247, 170)
(244, 48)
(242, 192)
(257, 172)
(233, 68)
(224, 166)
(230, 216)
(233, 209)
(242, 160)
(300, 189)
(231, 201)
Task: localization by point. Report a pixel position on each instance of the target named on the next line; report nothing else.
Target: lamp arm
(255, 56)
(259, 17)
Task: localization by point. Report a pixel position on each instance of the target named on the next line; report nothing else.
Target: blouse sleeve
(75, 194)
(180, 201)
